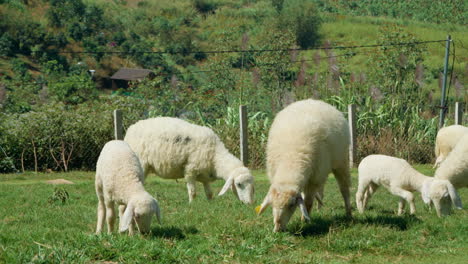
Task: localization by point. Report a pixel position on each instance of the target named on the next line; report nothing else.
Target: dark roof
(131, 74)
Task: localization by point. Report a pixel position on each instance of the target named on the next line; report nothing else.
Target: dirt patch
(60, 181)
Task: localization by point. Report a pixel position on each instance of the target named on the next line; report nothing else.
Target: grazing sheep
(307, 140)
(119, 179)
(446, 139)
(401, 179)
(173, 148)
(455, 166)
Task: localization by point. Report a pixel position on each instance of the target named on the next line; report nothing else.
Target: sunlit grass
(32, 229)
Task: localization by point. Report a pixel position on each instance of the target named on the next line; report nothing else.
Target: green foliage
(59, 195)
(204, 6)
(302, 18)
(63, 137)
(7, 165)
(7, 45)
(450, 11)
(73, 89)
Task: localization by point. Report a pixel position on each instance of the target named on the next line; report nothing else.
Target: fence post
(458, 113)
(444, 83)
(352, 133)
(244, 147)
(118, 127)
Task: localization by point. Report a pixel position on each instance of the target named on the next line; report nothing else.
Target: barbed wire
(254, 50)
(395, 45)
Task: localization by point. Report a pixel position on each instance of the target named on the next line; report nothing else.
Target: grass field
(34, 229)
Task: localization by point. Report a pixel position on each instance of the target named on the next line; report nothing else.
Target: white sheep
(307, 140)
(397, 176)
(119, 180)
(173, 148)
(455, 166)
(446, 139)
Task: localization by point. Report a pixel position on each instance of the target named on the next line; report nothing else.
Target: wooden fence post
(458, 113)
(352, 133)
(244, 147)
(118, 126)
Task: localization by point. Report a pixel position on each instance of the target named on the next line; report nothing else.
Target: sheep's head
(284, 204)
(242, 184)
(142, 211)
(441, 194)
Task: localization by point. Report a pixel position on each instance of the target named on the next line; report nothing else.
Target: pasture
(37, 227)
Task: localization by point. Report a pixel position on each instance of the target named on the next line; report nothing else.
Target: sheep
(119, 179)
(455, 166)
(446, 139)
(397, 176)
(173, 148)
(307, 140)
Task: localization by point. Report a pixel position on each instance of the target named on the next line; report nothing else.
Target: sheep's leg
(360, 194)
(191, 190)
(401, 206)
(110, 216)
(101, 209)
(408, 196)
(309, 196)
(190, 179)
(371, 189)
(344, 182)
(208, 191)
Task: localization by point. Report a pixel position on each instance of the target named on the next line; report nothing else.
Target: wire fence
(67, 151)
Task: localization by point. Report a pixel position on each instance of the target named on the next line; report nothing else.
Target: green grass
(223, 230)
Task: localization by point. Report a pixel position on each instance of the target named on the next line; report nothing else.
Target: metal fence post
(458, 113)
(118, 127)
(244, 147)
(352, 134)
(444, 83)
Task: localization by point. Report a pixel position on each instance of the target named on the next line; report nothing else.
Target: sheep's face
(142, 217)
(243, 186)
(284, 204)
(440, 197)
(140, 211)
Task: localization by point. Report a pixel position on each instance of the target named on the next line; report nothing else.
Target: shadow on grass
(172, 232)
(401, 223)
(320, 226)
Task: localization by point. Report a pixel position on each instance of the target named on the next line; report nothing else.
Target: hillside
(209, 56)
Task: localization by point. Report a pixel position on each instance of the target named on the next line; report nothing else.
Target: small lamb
(173, 148)
(446, 139)
(401, 179)
(119, 180)
(307, 140)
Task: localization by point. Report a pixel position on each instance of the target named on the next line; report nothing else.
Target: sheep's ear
(126, 218)
(454, 196)
(226, 186)
(266, 202)
(303, 208)
(156, 210)
(425, 192)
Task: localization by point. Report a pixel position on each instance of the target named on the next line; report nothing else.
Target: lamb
(446, 139)
(401, 179)
(307, 140)
(455, 166)
(173, 148)
(119, 179)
